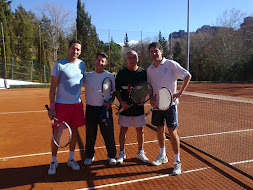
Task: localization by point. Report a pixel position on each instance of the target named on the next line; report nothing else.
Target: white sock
(163, 151)
(54, 159)
(71, 155)
(177, 157)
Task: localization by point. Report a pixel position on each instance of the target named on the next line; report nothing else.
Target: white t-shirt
(166, 75)
(70, 77)
(93, 87)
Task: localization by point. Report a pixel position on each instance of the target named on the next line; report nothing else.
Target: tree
(86, 32)
(24, 34)
(126, 41)
(177, 52)
(231, 19)
(164, 44)
(57, 19)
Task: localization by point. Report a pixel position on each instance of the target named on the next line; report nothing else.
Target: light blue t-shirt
(70, 77)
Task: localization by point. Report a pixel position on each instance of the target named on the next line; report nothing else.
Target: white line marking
(139, 180)
(220, 97)
(64, 151)
(221, 133)
(1, 113)
(241, 162)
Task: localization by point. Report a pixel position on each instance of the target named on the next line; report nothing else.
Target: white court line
(129, 144)
(139, 180)
(64, 151)
(221, 133)
(220, 97)
(2, 113)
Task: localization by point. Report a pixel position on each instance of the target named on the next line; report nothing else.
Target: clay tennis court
(25, 156)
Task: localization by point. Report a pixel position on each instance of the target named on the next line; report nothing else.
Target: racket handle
(121, 110)
(47, 107)
(149, 111)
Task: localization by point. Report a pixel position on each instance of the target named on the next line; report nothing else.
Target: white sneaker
(73, 164)
(88, 161)
(141, 156)
(52, 168)
(112, 161)
(121, 157)
(160, 160)
(177, 169)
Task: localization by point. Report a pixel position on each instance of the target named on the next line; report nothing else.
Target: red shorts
(72, 114)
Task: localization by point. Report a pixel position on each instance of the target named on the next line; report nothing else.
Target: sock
(54, 159)
(71, 155)
(140, 149)
(177, 157)
(163, 151)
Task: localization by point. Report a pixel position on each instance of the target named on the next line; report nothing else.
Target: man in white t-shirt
(95, 106)
(165, 73)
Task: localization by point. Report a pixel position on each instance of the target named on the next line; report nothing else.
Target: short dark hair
(74, 41)
(102, 54)
(156, 45)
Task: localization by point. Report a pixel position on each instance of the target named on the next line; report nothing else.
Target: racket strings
(141, 93)
(163, 99)
(61, 134)
(107, 90)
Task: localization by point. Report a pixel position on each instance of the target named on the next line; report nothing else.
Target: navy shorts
(170, 116)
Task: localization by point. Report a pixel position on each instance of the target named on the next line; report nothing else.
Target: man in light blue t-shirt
(65, 99)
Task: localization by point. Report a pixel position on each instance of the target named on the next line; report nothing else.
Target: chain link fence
(25, 70)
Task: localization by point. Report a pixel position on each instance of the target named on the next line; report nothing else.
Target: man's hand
(51, 113)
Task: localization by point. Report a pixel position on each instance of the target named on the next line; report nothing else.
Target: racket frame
(135, 87)
(67, 126)
(156, 107)
(111, 91)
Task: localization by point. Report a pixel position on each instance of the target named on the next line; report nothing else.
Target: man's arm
(52, 94)
(183, 87)
(123, 104)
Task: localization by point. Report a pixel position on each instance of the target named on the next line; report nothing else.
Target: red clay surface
(25, 152)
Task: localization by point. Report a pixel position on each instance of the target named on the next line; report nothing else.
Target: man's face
(132, 59)
(100, 63)
(74, 50)
(155, 54)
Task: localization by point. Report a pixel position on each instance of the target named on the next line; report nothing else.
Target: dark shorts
(72, 114)
(170, 116)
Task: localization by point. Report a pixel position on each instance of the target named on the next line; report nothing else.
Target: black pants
(93, 119)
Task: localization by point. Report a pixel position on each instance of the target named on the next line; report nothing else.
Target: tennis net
(221, 126)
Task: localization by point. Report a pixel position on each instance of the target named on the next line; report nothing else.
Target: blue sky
(148, 16)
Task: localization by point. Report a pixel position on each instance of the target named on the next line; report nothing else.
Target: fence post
(45, 73)
(12, 73)
(32, 72)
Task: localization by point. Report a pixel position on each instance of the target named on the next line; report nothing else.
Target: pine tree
(163, 43)
(126, 42)
(86, 32)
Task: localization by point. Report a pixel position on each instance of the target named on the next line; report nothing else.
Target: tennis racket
(107, 92)
(62, 133)
(163, 100)
(139, 94)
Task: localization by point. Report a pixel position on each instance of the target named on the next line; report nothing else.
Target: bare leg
(175, 141)
(122, 136)
(72, 144)
(54, 148)
(140, 136)
(161, 136)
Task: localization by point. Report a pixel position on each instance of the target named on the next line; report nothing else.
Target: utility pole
(141, 50)
(188, 37)
(109, 58)
(4, 69)
(40, 55)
